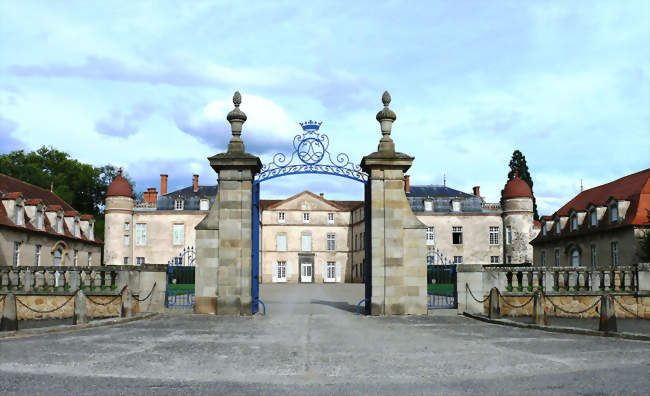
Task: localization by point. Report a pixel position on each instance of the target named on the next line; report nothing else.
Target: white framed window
(594, 218)
(305, 243)
(543, 231)
(305, 218)
(75, 257)
(91, 231)
(330, 218)
(428, 206)
(543, 258)
(458, 259)
(178, 233)
(39, 219)
(509, 235)
(179, 204)
(431, 236)
(20, 215)
(594, 256)
(574, 223)
(139, 260)
(127, 226)
(614, 253)
(457, 235)
(59, 225)
(127, 240)
(126, 261)
(282, 242)
(37, 255)
(281, 217)
(455, 206)
(16, 254)
(77, 231)
(204, 204)
(613, 213)
(494, 259)
(575, 258)
(557, 257)
(331, 242)
(90, 259)
(140, 234)
(330, 275)
(557, 226)
(494, 235)
(281, 271)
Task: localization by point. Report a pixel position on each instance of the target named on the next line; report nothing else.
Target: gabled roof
(30, 191)
(435, 191)
(340, 205)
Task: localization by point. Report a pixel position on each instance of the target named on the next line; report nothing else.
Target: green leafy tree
(518, 163)
(644, 242)
(83, 186)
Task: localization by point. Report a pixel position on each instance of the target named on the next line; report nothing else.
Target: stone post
(80, 311)
(9, 319)
(607, 314)
(126, 309)
(75, 280)
(398, 276)
(539, 309)
(494, 310)
(224, 236)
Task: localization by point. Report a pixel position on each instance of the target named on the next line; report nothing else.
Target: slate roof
(442, 197)
(435, 190)
(191, 199)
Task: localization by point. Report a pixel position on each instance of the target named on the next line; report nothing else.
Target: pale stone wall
(119, 210)
(518, 215)
(48, 302)
(358, 252)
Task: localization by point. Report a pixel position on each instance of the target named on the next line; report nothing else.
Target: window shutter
(338, 273)
(275, 271)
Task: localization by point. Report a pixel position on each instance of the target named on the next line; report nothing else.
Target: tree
(518, 163)
(83, 186)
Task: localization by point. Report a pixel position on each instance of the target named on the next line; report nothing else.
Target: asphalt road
(311, 343)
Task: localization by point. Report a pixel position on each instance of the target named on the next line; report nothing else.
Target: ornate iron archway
(310, 155)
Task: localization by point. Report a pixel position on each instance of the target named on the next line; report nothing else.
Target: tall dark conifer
(518, 163)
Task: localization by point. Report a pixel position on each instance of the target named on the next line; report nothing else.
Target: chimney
(151, 196)
(477, 190)
(407, 183)
(163, 184)
(196, 183)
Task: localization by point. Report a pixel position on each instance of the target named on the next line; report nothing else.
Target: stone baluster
(28, 280)
(612, 280)
(2, 280)
(587, 280)
(566, 279)
(622, 280)
(529, 275)
(520, 283)
(602, 280)
(540, 280)
(90, 276)
(113, 276)
(556, 280)
(75, 280)
(102, 279)
(633, 278)
(509, 280)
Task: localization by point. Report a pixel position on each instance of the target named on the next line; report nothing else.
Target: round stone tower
(118, 222)
(517, 203)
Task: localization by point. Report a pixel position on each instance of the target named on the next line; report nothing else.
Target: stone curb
(559, 329)
(67, 328)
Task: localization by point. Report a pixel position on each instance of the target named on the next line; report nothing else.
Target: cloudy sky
(147, 85)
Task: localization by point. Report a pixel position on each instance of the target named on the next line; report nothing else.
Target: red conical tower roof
(517, 188)
(119, 187)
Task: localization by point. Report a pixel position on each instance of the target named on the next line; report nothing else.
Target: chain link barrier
(636, 316)
(570, 312)
(104, 304)
(148, 295)
(472, 294)
(514, 306)
(49, 311)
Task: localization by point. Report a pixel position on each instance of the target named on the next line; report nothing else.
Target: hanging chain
(515, 306)
(45, 312)
(472, 294)
(625, 309)
(104, 304)
(148, 295)
(573, 313)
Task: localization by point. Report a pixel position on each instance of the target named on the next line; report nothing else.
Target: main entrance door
(311, 155)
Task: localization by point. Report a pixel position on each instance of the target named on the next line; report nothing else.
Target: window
(428, 206)
(178, 204)
(90, 259)
(59, 225)
(331, 242)
(575, 258)
(457, 235)
(16, 254)
(282, 271)
(126, 240)
(37, 255)
(39, 219)
(431, 236)
(557, 258)
(91, 231)
(508, 235)
(594, 256)
(20, 215)
(178, 231)
(281, 217)
(331, 271)
(543, 259)
(282, 243)
(594, 218)
(127, 226)
(494, 259)
(458, 259)
(557, 226)
(614, 253)
(58, 255)
(361, 240)
(574, 222)
(139, 260)
(305, 218)
(330, 218)
(306, 243)
(455, 206)
(140, 234)
(613, 213)
(509, 259)
(77, 232)
(494, 235)
(204, 204)
(126, 261)
(75, 256)
(543, 231)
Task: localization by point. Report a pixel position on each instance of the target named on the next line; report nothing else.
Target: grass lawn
(180, 288)
(441, 289)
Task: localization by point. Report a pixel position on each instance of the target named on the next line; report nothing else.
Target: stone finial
(386, 117)
(236, 118)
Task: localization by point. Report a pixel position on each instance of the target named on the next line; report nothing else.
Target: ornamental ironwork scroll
(311, 155)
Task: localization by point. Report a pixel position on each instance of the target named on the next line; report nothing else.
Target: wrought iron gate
(441, 283)
(180, 279)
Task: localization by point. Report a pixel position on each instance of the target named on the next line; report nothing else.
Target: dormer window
(59, 224)
(77, 231)
(20, 215)
(428, 206)
(91, 232)
(574, 223)
(455, 206)
(39, 219)
(557, 226)
(178, 204)
(204, 204)
(613, 213)
(593, 218)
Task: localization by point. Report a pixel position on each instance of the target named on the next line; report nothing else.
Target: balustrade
(55, 280)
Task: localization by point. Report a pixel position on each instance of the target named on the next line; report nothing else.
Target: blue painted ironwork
(180, 279)
(255, 258)
(258, 301)
(366, 300)
(441, 286)
(438, 258)
(311, 155)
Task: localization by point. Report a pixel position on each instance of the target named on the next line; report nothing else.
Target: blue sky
(147, 85)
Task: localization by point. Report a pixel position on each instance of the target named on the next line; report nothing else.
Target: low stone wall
(97, 306)
(640, 305)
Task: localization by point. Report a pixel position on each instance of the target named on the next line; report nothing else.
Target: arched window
(613, 213)
(58, 254)
(557, 226)
(575, 258)
(574, 222)
(594, 218)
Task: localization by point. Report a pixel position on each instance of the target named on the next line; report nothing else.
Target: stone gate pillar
(399, 269)
(223, 237)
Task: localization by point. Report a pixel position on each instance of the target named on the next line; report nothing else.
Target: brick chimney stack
(477, 190)
(407, 183)
(196, 183)
(151, 195)
(163, 184)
